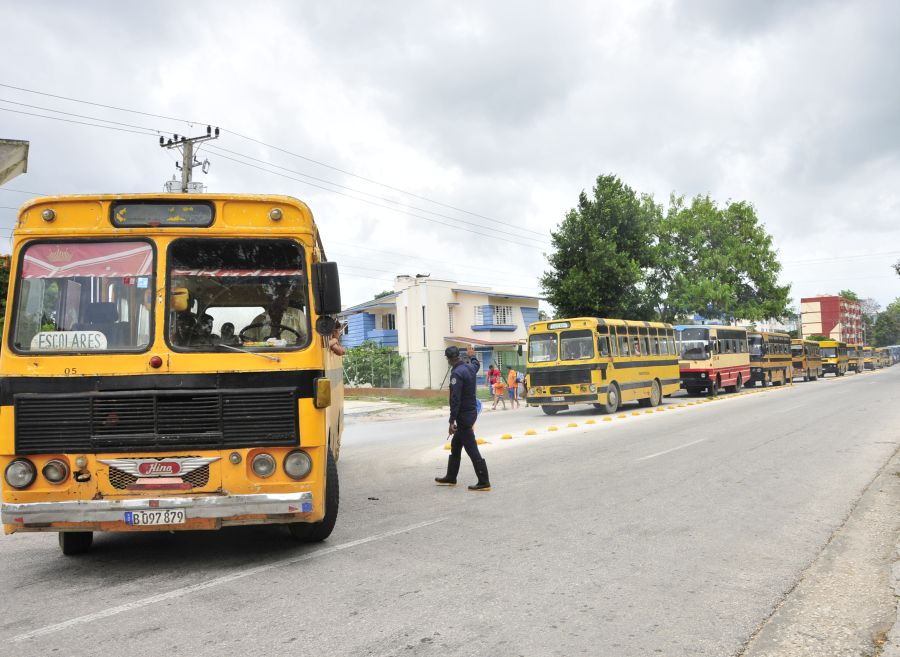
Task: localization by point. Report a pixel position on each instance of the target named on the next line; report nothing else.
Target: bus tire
(613, 399)
(313, 532)
(655, 393)
(807, 376)
(715, 387)
(72, 543)
(737, 385)
(551, 410)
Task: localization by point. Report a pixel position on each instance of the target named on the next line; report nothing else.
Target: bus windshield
(542, 347)
(797, 350)
(239, 294)
(829, 352)
(84, 296)
(853, 352)
(577, 345)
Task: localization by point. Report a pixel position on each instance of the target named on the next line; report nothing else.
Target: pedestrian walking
(512, 384)
(463, 414)
(491, 375)
(499, 393)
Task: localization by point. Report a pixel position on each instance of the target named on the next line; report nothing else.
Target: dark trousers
(464, 438)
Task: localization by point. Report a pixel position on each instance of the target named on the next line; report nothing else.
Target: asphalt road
(676, 532)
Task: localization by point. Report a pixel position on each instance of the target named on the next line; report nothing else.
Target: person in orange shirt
(499, 393)
(513, 386)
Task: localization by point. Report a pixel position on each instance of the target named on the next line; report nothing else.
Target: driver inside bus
(279, 313)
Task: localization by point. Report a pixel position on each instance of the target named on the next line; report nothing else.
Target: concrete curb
(892, 647)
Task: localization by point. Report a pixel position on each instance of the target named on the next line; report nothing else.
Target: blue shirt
(462, 391)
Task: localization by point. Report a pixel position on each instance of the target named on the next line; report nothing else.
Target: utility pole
(188, 161)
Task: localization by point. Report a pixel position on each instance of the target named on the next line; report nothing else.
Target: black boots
(482, 472)
(452, 470)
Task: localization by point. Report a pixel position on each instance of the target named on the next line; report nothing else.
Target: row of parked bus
(606, 362)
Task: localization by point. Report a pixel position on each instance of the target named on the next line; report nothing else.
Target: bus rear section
(713, 358)
(770, 358)
(855, 361)
(602, 362)
(806, 359)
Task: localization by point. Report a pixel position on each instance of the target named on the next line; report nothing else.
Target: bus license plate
(557, 399)
(161, 517)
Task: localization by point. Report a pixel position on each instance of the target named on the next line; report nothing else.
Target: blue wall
(361, 327)
(529, 316)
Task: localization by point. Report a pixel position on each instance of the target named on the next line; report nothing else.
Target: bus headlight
(55, 471)
(20, 474)
(297, 464)
(702, 375)
(593, 388)
(263, 465)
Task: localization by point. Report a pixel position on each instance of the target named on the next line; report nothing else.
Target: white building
(423, 316)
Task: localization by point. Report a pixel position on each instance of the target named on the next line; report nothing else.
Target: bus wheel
(737, 385)
(715, 387)
(613, 399)
(313, 532)
(72, 543)
(655, 393)
(806, 377)
(550, 410)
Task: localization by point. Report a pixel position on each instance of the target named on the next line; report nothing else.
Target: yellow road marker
(531, 432)
(572, 424)
(648, 412)
(447, 445)
(660, 409)
(635, 412)
(607, 419)
(552, 428)
(591, 421)
(622, 416)
(481, 441)
(506, 436)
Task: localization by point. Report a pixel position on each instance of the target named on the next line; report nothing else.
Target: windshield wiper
(247, 351)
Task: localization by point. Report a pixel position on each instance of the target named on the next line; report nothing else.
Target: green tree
(887, 325)
(602, 254)
(718, 262)
(849, 294)
(372, 364)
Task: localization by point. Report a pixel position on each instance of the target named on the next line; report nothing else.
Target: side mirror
(326, 288)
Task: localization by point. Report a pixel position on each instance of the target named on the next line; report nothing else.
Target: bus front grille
(552, 377)
(155, 420)
(121, 480)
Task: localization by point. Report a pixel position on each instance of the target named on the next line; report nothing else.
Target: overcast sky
(506, 110)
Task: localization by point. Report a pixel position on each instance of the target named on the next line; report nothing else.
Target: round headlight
(297, 464)
(593, 388)
(20, 473)
(263, 465)
(55, 471)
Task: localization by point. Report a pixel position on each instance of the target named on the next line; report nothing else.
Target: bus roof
(591, 322)
(93, 214)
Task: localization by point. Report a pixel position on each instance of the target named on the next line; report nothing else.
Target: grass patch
(409, 401)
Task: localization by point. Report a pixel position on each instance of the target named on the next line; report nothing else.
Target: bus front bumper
(113, 510)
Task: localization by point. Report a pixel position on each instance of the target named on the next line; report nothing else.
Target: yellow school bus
(807, 359)
(770, 358)
(854, 358)
(883, 355)
(713, 358)
(868, 358)
(835, 358)
(166, 366)
(604, 362)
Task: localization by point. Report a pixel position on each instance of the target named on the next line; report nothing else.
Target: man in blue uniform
(463, 413)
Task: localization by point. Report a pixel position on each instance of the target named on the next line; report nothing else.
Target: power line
(95, 125)
(814, 261)
(21, 191)
(156, 131)
(80, 116)
(381, 198)
(267, 145)
(379, 205)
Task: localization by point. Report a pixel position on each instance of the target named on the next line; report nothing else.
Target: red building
(832, 316)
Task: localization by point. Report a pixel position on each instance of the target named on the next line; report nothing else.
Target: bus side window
(623, 346)
(646, 344)
(672, 345)
(603, 345)
(613, 344)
